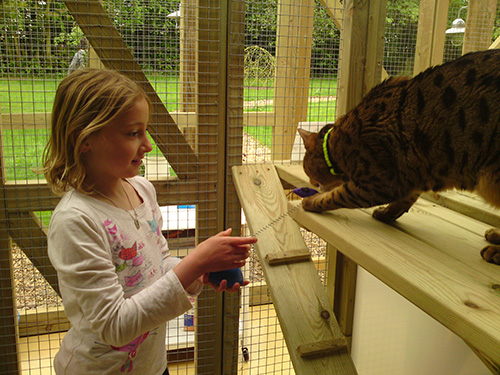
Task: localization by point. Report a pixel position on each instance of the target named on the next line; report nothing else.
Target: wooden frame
(217, 96)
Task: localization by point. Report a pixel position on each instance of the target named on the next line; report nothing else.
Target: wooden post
(361, 51)
(291, 82)
(360, 70)
(231, 155)
(341, 288)
(479, 25)
(210, 214)
(432, 19)
(8, 317)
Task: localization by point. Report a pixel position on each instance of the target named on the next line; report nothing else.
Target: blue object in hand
(305, 192)
(232, 276)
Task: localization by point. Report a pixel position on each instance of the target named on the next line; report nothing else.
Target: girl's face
(116, 151)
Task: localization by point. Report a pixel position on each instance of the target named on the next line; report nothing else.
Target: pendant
(136, 222)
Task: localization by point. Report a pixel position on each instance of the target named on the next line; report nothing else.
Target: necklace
(135, 217)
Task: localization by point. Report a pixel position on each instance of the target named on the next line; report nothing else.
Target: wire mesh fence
(230, 83)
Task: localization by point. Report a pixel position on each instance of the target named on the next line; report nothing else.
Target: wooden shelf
(431, 256)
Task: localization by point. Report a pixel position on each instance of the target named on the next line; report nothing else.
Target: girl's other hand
(222, 287)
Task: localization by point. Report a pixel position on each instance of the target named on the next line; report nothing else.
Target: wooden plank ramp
(430, 256)
(314, 340)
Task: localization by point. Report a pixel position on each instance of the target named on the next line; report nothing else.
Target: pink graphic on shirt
(131, 349)
(133, 281)
(129, 256)
(113, 230)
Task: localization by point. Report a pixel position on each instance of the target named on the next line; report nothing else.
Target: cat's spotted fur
(438, 130)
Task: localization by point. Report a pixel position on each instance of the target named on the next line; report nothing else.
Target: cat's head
(322, 176)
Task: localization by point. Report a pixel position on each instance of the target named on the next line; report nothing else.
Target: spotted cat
(436, 131)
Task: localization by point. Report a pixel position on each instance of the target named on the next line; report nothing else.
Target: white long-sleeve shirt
(117, 285)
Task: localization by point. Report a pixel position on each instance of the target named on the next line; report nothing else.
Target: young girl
(118, 282)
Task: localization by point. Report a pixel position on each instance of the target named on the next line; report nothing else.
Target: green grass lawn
(23, 148)
(37, 95)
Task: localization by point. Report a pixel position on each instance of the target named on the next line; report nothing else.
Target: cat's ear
(308, 138)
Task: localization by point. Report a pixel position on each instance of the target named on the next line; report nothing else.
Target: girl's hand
(222, 287)
(217, 253)
(222, 252)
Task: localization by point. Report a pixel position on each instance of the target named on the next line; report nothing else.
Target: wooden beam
(28, 231)
(291, 82)
(8, 316)
(479, 25)
(334, 9)
(495, 44)
(114, 54)
(361, 51)
(432, 18)
(42, 320)
(303, 309)
(170, 191)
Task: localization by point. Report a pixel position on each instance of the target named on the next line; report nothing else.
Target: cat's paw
(386, 214)
(311, 204)
(493, 235)
(491, 254)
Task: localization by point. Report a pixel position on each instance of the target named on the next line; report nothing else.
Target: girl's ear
(84, 147)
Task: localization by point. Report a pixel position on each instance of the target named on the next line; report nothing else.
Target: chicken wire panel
(276, 69)
(41, 43)
(290, 74)
(272, 111)
(402, 27)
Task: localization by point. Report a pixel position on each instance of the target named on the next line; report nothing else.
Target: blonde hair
(86, 101)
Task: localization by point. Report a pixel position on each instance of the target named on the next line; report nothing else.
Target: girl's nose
(147, 146)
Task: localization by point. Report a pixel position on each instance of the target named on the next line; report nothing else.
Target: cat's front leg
(318, 202)
(395, 209)
(348, 195)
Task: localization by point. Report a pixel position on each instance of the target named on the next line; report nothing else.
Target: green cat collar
(326, 154)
